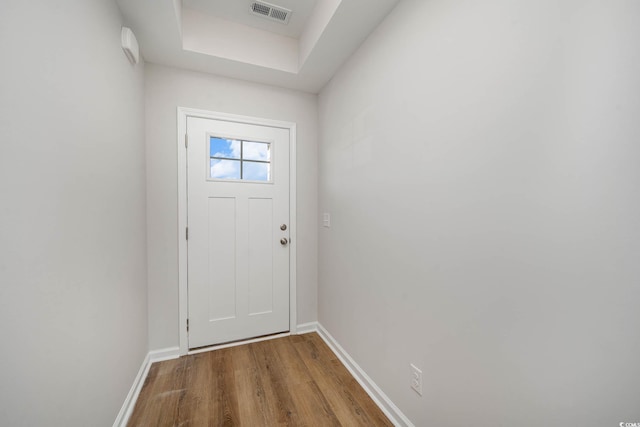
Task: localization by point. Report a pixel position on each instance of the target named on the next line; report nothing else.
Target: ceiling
(221, 37)
(237, 11)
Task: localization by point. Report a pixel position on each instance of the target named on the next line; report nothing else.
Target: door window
(239, 160)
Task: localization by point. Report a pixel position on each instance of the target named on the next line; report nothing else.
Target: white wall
(168, 88)
(73, 313)
(480, 162)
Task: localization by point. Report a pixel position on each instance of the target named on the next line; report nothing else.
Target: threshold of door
(237, 343)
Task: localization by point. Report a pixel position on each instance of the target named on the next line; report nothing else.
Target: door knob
(284, 241)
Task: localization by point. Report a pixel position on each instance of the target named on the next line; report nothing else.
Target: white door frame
(183, 113)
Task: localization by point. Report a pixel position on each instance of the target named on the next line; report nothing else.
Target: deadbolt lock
(283, 227)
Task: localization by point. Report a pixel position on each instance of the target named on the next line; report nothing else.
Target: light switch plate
(416, 379)
(326, 220)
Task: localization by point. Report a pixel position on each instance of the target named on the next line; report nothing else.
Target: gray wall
(169, 88)
(73, 310)
(480, 162)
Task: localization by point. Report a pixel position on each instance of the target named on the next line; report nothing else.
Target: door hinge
(186, 140)
(187, 324)
(187, 233)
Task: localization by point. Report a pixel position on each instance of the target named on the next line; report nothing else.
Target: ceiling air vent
(270, 11)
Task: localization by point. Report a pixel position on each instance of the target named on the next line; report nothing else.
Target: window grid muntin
(240, 159)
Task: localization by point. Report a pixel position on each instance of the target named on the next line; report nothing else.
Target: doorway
(237, 249)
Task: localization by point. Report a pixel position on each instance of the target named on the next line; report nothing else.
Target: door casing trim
(182, 114)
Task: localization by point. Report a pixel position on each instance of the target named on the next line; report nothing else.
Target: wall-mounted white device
(130, 45)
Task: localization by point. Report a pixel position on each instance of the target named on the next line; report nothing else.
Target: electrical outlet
(416, 379)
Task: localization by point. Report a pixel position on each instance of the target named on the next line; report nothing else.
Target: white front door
(238, 230)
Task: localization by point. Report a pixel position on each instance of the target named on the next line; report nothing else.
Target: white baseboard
(130, 402)
(377, 395)
(306, 328)
(164, 354)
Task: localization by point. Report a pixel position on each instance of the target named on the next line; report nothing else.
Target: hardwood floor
(295, 381)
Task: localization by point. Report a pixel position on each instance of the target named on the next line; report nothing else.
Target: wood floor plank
(250, 391)
(372, 410)
(163, 398)
(195, 409)
(312, 406)
(269, 365)
(356, 392)
(344, 404)
(291, 381)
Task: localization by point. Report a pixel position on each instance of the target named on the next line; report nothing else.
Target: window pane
(256, 151)
(227, 148)
(256, 171)
(225, 169)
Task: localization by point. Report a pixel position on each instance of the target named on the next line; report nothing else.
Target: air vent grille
(270, 11)
(260, 9)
